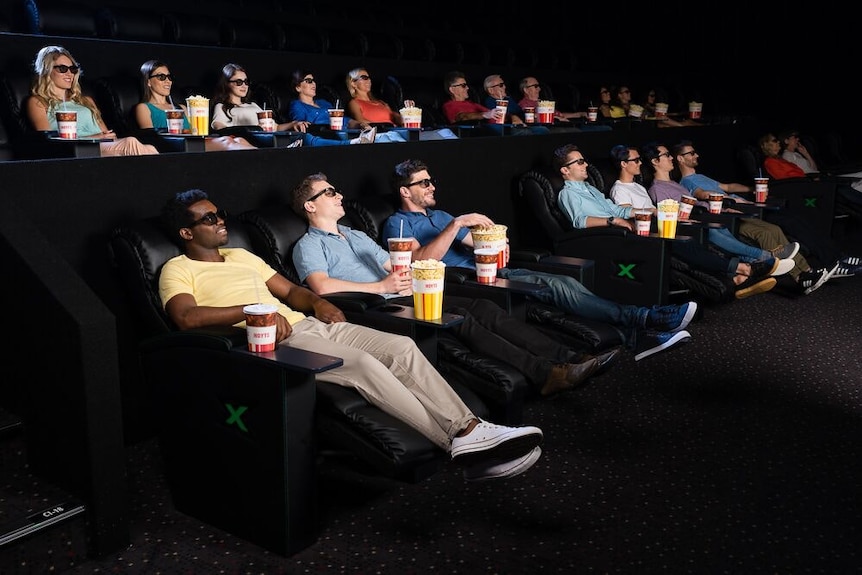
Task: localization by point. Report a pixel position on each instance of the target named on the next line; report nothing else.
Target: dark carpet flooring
(740, 452)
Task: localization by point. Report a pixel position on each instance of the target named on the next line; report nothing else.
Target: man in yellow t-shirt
(210, 284)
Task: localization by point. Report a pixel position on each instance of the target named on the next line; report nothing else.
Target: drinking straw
(337, 101)
(401, 230)
(171, 102)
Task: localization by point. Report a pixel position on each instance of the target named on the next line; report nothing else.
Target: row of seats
(199, 411)
(270, 29)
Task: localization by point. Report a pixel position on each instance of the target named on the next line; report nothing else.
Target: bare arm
(303, 299)
(399, 282)
(437, 248)
(37, 112)
(142, 116)
(600, 222)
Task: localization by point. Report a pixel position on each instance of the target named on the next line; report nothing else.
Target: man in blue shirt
(441, 236)
(331, 257)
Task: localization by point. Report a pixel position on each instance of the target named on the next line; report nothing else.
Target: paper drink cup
(412, 117)
(260, 326)
(715, 201)
(491, 237)
(661, 110)
(266, 121)
(199, 114)
(67, 124)
(545, 111)
(175, 121)
(504, 106)
(667, 215)
(400, 253)
(593, 113)
(643, 219)
(529, 115)
(486, 265)
(694, 110)
(761, 189)
(336, 119)
(428, 280)
(686, 204)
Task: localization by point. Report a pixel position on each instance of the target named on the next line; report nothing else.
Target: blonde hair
(41, 89)
(351, 77)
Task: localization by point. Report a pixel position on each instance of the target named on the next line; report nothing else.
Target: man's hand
(398, 282)
(474, 219)
(327, 312)
(282, 328)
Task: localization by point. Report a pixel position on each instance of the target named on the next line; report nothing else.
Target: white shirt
(631, 193)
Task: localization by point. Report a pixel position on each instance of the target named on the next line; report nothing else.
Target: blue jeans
(571, 296)
(727, 242)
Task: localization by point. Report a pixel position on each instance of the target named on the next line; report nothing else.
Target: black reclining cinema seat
(370, 213)
(811, 199)
(240, 432)
(275, 230)
(629, 268)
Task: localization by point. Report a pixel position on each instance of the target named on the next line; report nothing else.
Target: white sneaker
(366, 136)
(488, 441)
(782, 267)
(501, 469)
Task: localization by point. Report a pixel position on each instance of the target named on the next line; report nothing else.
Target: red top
(452, 108)
(780, 169)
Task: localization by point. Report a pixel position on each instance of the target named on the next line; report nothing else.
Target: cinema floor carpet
(740, 452)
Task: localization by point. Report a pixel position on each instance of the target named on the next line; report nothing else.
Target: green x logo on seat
(810, 202)
(626, 271)
(236, 416)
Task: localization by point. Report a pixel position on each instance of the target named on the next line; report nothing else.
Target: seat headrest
(273, 232)
(138, 250)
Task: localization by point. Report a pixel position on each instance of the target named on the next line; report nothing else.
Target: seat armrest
(355, 301)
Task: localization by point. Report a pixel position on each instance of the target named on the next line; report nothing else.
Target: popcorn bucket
(545, 111)
(667, 215)
(199, 115)
(412, 117)
(428, 279)
(492, 237)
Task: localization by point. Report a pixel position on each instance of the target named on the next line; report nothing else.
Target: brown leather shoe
(606, 359)
(566, 376)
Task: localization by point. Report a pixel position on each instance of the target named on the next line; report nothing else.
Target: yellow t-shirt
(239, 280)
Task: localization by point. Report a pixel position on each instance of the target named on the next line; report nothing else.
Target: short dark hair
(403, 173)
(650, 151)
(620, 152)
(176, 214)
(303, 191)
(677, 148)
(561, 153)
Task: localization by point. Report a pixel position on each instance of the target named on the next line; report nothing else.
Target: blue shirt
(579, 200)
(705, 183)
(352, 256)
(427, 227)
(301, 112)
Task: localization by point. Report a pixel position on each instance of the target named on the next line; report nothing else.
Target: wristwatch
(610, 221)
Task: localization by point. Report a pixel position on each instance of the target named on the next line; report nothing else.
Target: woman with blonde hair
(367, 109)
(56, 87)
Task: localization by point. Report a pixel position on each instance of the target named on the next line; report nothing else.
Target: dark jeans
(487, 329)
(700, 257)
